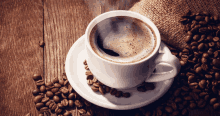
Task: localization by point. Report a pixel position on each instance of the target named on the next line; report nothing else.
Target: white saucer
(75, 72)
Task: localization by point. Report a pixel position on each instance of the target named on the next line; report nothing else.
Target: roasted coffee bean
(202, 22)
(196, 90)
(188, 98)
(40, 83)
(58, 93)
(39, 105)
(64, 96)
(198, 70)
(184, 93)
(64, 102)
(49, 94)
(48, 103)
(178, 99)
(211, 44)
(216, 106)
(54, 90)
(82, 111)
(185, 88)
(194, 96)
(66, 82)
(215, 39)
(45, 99)
(85, 62)
(217, 76)
(177, 92)
(184, 112)
(199, 18)
(213, 101)
(168, 109)
(71, 96)
(53, 106)
(107, 89)
(59, 105)
(216, 54)
(191, 78)
(183, 63)
(206, 97)
(48, 84)
(67, 113)
(118, 94)
(71, 103)
(57, 85)
(101, 90)
(56, 99)
(204, 67)
(202, 84)
(201, 103)
(86, 67)
(58, 110)
(64, 90)
(203, 94)
(78, 103)
(203, 30)
(192, 105)
(89, 77)
(216, 62)
(193, 85)
(208, 76)
(36, 91)
(38, 98)
(210, 51)
(44, 109)
(113, 91)
(42, 89)
(56, 80)
(214, 90)
(174, 106)
(96, 84)
(126, 95)
(95, 89)
(205, 55)
(203, 60)
(175, 113)
(37, 77)
(94, 80)
(196, 37)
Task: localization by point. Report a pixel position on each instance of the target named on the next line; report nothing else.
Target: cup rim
(132, 14)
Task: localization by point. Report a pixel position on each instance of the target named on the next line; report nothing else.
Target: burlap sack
(166, 15)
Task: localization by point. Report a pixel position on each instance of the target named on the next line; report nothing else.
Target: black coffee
(122, 39)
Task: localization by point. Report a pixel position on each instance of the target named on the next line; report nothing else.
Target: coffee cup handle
(168, 58)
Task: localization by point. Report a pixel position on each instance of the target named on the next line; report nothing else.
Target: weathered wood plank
(21, 29)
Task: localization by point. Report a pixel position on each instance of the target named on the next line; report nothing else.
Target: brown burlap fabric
(166, 15)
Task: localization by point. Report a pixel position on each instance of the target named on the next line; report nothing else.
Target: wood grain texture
(21, 29)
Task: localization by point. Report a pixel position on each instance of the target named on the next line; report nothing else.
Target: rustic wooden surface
(59, 23)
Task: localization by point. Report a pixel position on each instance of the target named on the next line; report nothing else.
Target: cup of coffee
(123, 50)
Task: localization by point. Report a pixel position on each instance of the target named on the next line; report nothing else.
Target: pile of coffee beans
(198, 83)
(97, 86)
(58, 97)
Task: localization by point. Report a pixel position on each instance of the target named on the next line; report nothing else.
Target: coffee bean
(203, 60)
(64, 96)
(95, 89)
(213, 101)
(203, 30)
(40, 83)
(48, 103)
(206, 97)
(214, 90)
(56, 99)
(183, 63)
(202, 84)
(174, 106)
(196, 90)
(86, 67)
(216, 106)
(87, 103)
(216, 54)
(188, 98)
(64, 102)
(44, 109)
(94, 80)
(96, 84)
(204, 67)
(192, 105)
(168, 109)
(178, 99)
(107, 89)
(49, 94)
(216, 62)
(196, 37)
(193, 85)
(148, 113)
(53, 107)
(215, 39)
(59, 105)
(194, 96)
(58, 93)
(217, 76)
(71, 103)
(175, 113)
(85, 62)
(203, 94)
(184, 112)
(54, 90)
(201, 103)
(39, 105)
(199, 18)
(202, 22)
(89, 77)
(45, 99)
(118, 94)
(78, 103)
(36, 92)
(55, 80)
(37, 77)
(66, 82)
(38, 98)
(57, 85)
(126, 95)
(82, 111)
(198, 70)
(113, 91)
(64, 90)
(58, 110)
(208, 76)
(185, 88)
(67, 113)
(71, 96)
(177, 92)
(101, 90)
(48, 84)
(42, 88)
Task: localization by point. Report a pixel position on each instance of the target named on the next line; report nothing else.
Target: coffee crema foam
(122, 39)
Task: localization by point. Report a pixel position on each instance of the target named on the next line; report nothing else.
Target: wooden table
(59, 23)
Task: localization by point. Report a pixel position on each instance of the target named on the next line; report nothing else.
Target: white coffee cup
(128, 75)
